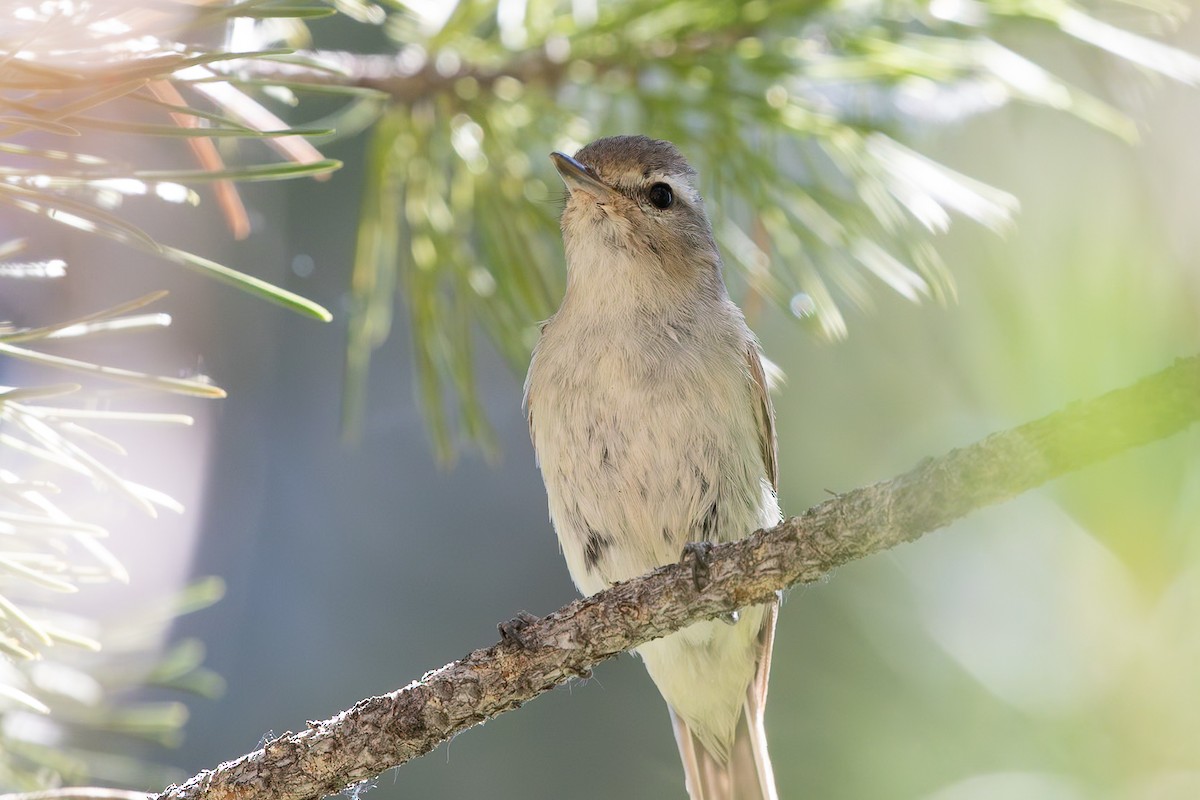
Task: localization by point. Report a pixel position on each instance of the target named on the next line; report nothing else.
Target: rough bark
(385, 731)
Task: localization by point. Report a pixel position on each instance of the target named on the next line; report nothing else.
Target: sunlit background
(1047, 649)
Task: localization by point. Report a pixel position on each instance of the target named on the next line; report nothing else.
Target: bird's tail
(747, 774)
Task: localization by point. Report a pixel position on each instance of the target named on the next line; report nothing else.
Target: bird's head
(632, 201)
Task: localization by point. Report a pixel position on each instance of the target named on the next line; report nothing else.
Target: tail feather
(747, 775)
(688, 754)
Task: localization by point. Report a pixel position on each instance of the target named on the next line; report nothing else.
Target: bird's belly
(633, 470)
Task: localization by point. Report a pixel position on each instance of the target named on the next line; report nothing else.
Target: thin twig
(386, 731)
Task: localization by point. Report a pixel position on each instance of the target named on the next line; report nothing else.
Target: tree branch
(404, 79)
(407, 79)
(383, 732)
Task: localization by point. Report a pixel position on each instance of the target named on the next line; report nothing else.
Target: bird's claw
(513, 631)
(699, 554)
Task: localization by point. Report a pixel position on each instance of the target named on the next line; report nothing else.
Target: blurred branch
(391, 74)
(386, 731)
(405, 82)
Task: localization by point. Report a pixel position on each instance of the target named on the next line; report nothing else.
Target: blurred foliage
(1045, 649)
(79, 714)
(79, 70)
(793, 111)
(77, 76)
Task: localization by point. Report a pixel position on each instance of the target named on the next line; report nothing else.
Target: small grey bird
(649, 413)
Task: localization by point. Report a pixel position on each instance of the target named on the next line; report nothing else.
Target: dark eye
(661, 196)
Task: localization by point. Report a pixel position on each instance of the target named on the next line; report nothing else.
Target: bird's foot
(698, 554)
(513, 631)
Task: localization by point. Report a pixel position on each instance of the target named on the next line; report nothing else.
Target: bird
(654, 432)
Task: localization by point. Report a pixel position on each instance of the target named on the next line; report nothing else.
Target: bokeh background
(1048, 649)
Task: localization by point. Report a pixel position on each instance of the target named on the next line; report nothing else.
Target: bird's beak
(580, 177)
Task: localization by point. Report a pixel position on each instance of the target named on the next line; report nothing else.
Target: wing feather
(527, 394)
(764, 412)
